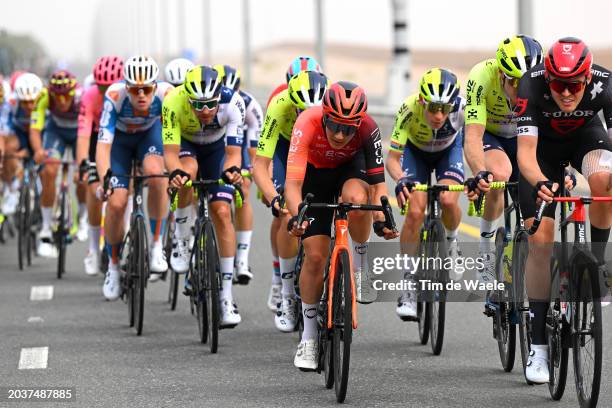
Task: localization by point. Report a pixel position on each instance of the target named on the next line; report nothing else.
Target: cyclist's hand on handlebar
(178, 178)
(294, 229)
(278, 206)
(570, 181)
(478, 184)
(40, 155)
(382, 230)
(402, 190)
(104, 189)
(232, 175)
(545, 190)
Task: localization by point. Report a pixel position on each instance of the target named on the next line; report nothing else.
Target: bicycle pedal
(409, 318)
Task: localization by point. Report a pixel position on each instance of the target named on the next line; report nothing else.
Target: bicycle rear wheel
(504, 329)
(586, 332)
(342, 324)
(521, 303)
(422, 309)
(23, 226)
(173, 289)
(140, 273)
(557, 354)
(437, 306)
(213, 283)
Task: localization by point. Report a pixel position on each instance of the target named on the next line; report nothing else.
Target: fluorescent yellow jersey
(411, 126)
(487, 103)
(281, 115)
(180, 122)
(64, 120)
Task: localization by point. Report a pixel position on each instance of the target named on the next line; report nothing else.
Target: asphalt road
(91, 348)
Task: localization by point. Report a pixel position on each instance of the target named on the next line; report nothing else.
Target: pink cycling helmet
(107, 70)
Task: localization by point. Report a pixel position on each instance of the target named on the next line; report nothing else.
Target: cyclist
(202, 131)
(62, 99)
(10, 195)
(306, 89)
(335, 152)
(176, 69)
(130, 128)
(106, 71)
(490, 131)
(299, 64)
(428, 135)
(253, 120)
(557, 108)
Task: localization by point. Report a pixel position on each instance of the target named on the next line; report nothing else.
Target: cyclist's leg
(94, 211)
(11, 175)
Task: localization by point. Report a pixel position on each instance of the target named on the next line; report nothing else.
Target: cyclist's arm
(234, 132)
(37, 120)
(171, 132)
(297, 161)
(261, 175)
(106, 134)
(85, 129)
(475, 118)
(399, 137)
(394, 165)
(374, 165)
(608, 109)
(527, 134)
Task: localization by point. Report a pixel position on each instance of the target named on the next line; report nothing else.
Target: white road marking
(35, 319)
(41, 293)
(33, 358)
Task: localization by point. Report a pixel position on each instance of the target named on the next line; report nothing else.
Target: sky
(79, 30)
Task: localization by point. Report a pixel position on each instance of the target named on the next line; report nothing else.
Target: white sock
(182, 217)
(451, 235)
(128, 212)
(243, 241)
(227, 274)
(15, 184)
(287, 271)
(276, 276)
(487, 234)
(47, 214)
(360, 255)
(94, 239)
(540, 350)
(82, 211)
(309, 313)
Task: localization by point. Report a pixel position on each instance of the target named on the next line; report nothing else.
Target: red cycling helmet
(14, 77)
(107, 70)
(567, 58)
(345, 102)
(62, 82)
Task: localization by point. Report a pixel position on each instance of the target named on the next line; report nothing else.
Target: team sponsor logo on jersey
(521, 106)
(472, 114)
(565, 126)
(114, 95)
(537, 73)
(599, 73)
(575, 114)
(597, 89)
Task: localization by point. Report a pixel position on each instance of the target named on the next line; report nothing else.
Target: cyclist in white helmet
(176, 69)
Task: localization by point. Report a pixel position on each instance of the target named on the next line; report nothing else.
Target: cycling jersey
(63, 120)
(280, 118)
(19, 119)
(180, 122)
(275, 92)
(486, 101)
(118, 113)
(91, 107)
(539, 115)
(410, 125)
(253, 119)
(309, 144)
(5, 114)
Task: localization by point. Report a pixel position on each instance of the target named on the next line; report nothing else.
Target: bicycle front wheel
(422, 309)
(586, 332)
(504, 329)
(213, 283)
(23, 225)
(140, 273)
(198, 282)
(436, 249)
(60, 236)
(342, 324)
(520, 250)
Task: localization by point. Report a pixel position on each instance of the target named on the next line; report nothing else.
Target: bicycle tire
(422, 309)
(60, 237)
(342, 324)
(586, 323)
(22, 225)
(299, 324)
(504, 329)
(213, 282)
(141, 274)
(198, 283)
(437, 306)
(326, 348)
(519, 257)
(557, 354)
(173, 289)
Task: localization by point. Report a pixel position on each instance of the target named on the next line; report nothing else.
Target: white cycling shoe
(486, 274)
(229, 315)
(406, 307)
(45, 248)
(454, 253)
(307, 355)
(180, 255)
(537, 365)
(92, 264)
(157, 263)
(112, 285)
(285, 319)
(274, 297)
(10, 202)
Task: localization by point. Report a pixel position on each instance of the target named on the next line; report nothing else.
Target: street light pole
(246, 42)
(207, 32)
(525, 17)
(320, 32)
(398, 85)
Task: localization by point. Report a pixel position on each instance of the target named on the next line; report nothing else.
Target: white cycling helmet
(89, 81)
(27, 87)
(176, 69)
(140, 70)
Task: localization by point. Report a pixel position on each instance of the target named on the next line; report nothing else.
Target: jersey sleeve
(236, 113)
(399, 137)
(607, 109)
(375, 170)
(108, 120)
(5, 118)
(301, 138)
(37, 120)
(271, 129)
(476, 91)
(254, 122)
(86, 116)
(525, 110)
(171, 126)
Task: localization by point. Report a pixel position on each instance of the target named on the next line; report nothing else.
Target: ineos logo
(567, 48)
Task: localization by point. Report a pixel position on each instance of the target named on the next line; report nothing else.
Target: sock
(227, 274)
(15, 184)
(113, 253)
(47, 214)
(451, 235)
(157, 226)
(360, 256)
(94, 239)
(128, 212)
(538, 310)
(599, 240)
(287, 271)
(310, 321)
(487, 234)
(276, 276)
(243, 239)
(82, 211)
(183, 222)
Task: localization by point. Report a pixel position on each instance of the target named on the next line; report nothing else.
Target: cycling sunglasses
(559, 85)
(335, 127)
(199, 105)
(435, 107)
(514, 82)
(135, 90)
